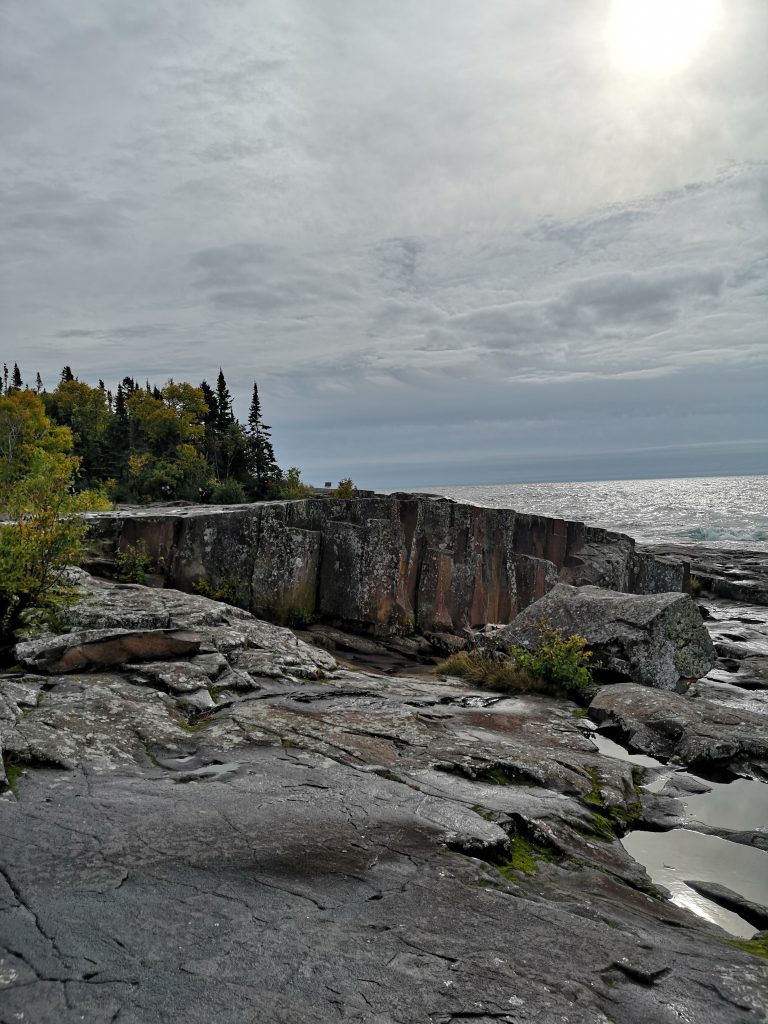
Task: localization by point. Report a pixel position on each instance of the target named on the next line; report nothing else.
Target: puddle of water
(610, 749)
(671, 857)
(741, 804)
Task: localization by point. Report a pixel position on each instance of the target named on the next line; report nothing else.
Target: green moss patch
(757, 946)
(524, 858)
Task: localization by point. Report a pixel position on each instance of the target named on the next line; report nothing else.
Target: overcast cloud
(454, 242)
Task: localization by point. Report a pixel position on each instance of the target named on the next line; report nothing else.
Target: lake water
(718, 511)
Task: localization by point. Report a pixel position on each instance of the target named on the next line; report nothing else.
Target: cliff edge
(383, 565)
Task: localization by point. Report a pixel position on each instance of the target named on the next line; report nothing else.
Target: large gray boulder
(653, 639)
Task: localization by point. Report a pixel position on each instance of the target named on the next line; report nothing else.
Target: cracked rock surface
(313, 843)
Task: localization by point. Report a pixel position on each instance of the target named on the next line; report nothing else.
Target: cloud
(419, 225)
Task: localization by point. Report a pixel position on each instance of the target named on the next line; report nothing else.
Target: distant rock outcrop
(384, 565)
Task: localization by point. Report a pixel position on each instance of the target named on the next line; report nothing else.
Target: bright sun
(660, 35)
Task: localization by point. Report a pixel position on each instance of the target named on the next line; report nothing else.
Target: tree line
(143, 443)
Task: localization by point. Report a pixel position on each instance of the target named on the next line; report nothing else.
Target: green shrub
(291, 486)
(559, 664)
(561, 661)
(300, 618)
(229, 492)
(346, 489)
(133, 563)
(43, 536)
(228, 591)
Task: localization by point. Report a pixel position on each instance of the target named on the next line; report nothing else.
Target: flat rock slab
(103, 648)
(297, 889)
(691, 730)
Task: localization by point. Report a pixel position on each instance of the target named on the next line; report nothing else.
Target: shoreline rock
(384, 565)
(317, 842)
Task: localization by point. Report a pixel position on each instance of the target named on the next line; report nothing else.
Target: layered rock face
(385, 565)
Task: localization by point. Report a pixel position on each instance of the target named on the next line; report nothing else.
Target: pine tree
(66, 375)
(101, 385)
(16, 382)
(262, 454)
(224, 414)
(120, 408)
(210, 400)
(5, 378)
(38, 384)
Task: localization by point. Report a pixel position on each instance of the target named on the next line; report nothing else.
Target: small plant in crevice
(13, 772)
(300, 618)
(226, 590)
(558, 665)
(133, 563)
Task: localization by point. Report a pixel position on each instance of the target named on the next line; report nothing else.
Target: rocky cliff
(384, 565)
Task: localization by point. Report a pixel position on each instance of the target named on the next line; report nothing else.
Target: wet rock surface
(695, 732)
(755, 913)
(321, 843)
(651, 639)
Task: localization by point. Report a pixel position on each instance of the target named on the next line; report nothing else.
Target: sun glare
(660, 36)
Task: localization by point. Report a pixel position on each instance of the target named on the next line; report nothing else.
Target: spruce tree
(66, 375)
(16, 382)
(38, 384)
(212, 415)
(224, 414)
(262, 454)
(120, 408)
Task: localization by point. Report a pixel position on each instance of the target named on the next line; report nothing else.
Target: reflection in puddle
(671, 857)
(610, 749)
(741, 804)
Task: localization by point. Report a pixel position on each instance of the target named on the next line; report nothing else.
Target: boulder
(653, 639)
(102, 648)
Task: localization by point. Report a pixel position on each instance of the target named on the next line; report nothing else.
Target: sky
(453, 242)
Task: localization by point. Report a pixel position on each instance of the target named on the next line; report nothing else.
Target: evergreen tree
(66, 374)
(5, 377)
(224, 415)
(210, 400)
(16, 382)
(262, 454)
(38, 384)
(120, 409)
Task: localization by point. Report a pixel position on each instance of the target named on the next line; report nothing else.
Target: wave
(714, 533)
